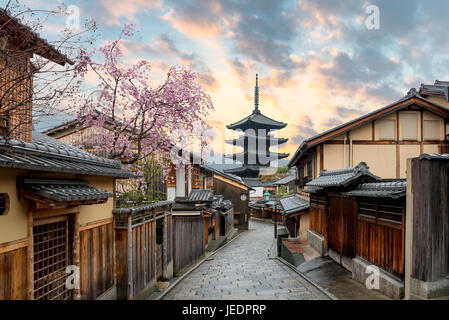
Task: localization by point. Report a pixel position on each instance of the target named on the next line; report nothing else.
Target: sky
(319, 64)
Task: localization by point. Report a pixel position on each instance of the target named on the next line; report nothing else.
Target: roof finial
(256, 94)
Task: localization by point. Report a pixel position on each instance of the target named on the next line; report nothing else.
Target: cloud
(129, 9)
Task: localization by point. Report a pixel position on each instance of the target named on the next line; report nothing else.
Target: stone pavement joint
(244, 270)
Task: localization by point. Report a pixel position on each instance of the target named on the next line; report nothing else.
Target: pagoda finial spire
(256, 94)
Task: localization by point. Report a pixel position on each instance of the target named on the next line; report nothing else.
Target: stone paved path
(243, 270)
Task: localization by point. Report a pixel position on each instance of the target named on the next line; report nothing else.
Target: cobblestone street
(243, 270)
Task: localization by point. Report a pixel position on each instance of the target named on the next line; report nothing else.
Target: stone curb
(295, 270)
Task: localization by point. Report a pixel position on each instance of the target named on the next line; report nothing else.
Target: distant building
(255, 141)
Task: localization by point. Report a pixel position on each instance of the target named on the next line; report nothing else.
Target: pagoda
(256, 141)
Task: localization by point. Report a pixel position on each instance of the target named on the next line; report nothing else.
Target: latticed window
(4, 204)
(52, 256)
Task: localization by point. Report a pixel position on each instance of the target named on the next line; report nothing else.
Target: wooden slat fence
(137, 255)
(188, 240)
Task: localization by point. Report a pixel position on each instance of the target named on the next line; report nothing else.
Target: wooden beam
(30, 254)
(76, 249)
(398, 151)
(95, 224)
(14, 245)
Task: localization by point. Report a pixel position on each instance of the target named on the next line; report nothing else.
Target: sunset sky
(318, 64)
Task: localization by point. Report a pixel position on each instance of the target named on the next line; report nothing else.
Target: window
(431, 130)
(387, 129)
(409, 126)
(4, 125)
(4, 204)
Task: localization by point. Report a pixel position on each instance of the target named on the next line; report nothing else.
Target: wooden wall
(188, 240)
(430, 244)
(13, 273)
(318, 214)
(232, 193)
(96, 260)
(381, 244)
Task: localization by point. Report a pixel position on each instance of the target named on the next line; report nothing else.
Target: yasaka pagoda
(256, 141)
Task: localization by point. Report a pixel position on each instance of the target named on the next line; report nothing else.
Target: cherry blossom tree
(134, 120)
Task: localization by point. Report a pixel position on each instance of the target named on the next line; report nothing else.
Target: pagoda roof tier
(273, 141)
(257, 120)
(245, 171)
(245, 154)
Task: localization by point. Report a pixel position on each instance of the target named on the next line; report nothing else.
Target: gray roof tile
(293, 204)
(51, 155)
(285, 180)
(342, 177)
(64, 190)
(142, 208)
(384, 189)
(434, 156)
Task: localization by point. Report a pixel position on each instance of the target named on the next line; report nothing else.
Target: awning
(53, 191)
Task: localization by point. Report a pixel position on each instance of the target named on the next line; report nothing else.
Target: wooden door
(342, 219)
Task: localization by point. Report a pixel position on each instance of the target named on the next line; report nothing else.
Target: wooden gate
(52, 255)
(342, 226)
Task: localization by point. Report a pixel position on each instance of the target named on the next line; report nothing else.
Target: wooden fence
(228, 222)
(372, 229)
(137, 248)
(188, 240)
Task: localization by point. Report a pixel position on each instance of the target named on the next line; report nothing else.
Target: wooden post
(206, 232)
(30, 254)
(130, 258)
(76, 252)
(164, 247)
(154, 249)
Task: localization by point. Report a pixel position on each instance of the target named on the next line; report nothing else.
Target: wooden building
(71, 132)
(56, 201)
(295, 215)
(181, 181)
(416, 124)
(358, 220)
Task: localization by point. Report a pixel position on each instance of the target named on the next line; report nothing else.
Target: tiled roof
(255, 182)
(285, 180)
(223, 174)
(293, 204)
(23, 33)
(342, 177)
(64, 190)
(51, 155)
(200, 195)
(143, 207)
(385, 189)
(257, 120)
(434, 156)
